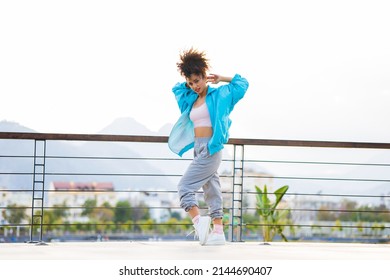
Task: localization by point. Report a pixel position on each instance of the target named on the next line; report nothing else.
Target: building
(74, 194)
(253, 176)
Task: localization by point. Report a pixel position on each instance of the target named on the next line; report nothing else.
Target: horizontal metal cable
(320, 162)
(199, 192)
(360, 226)
(323, 226)
(179, 208)
(179, 175)
(189, 159)
(319, 178)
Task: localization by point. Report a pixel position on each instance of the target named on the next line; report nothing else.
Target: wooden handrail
(164, 139)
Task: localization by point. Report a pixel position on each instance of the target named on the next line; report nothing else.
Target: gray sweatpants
(202, 173)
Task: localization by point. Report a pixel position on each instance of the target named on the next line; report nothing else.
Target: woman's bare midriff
(203, 131)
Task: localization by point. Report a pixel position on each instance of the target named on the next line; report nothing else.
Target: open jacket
(220, 103)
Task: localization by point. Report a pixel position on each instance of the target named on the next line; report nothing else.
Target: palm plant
(270, 217)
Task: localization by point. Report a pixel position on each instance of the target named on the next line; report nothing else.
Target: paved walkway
(187, 250)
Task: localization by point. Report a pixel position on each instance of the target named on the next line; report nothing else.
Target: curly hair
(191, 62)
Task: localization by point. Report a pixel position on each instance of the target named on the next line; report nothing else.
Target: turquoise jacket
(220, 102)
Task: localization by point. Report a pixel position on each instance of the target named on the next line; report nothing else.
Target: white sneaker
(216, 239)
(202, 229)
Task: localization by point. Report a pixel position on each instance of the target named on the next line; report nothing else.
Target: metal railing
(330, 183)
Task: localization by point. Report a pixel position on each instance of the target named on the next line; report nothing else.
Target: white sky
(317, 69)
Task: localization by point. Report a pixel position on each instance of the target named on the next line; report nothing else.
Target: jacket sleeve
(182, 94)
(237, 88)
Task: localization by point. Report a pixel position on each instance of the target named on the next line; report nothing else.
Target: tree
(123, 211)
(105, 213)
(60, 211)
(15, 214)
(140, 212)
(89, 205)
(348, 208)
(325, 214)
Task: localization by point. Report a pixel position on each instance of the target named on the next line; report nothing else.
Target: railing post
(235, 224)
(38, 190)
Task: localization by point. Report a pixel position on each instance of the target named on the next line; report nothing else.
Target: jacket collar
(210, 90)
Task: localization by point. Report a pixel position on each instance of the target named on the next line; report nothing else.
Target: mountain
(126, 126)
(10, 157)
(165, 130)
(9, 126)
(64, 162)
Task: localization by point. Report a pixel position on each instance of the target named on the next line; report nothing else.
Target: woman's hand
(215, 78)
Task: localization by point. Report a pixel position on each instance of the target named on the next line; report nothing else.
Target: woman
(204, 126)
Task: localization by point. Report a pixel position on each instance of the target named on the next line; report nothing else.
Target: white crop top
(200, 116)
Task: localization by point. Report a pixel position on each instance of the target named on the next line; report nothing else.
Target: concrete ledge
(191, 250)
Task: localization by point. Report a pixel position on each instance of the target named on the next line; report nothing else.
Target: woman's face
(197, 83)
